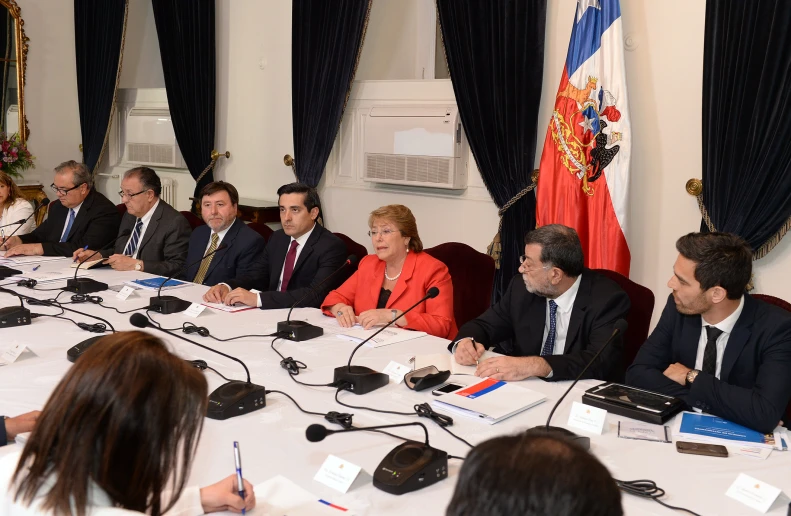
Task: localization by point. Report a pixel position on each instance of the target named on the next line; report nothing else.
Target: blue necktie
(131, 246)
(549, 345)
(65, 234)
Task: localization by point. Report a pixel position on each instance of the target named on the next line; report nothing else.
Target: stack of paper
(446, 362)
(283, 497)
(705, 428)
(23, 260)
(154, 283)
(48, 276)
(228, 308)
(489, 400)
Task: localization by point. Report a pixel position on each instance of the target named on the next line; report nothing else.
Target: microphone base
(235, 398)
(299, 330)
(84, 286)
(556, 431)
(361, 379)
(167, 304)
(11, 316)
(410, 466)
(78, 349)
(7, 272)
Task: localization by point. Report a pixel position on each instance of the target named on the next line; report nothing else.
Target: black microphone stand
(88, 285)
(173, 304)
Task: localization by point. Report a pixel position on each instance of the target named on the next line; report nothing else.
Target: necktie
(549, 345)
(710, 352)
(288, 269)
(204, 265)
(65, 234)
(131, 246)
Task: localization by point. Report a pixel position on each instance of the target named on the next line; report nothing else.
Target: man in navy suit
(296, 259)
(715, 347)
(244, 248)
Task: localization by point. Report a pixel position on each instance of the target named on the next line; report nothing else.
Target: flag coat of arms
(583, 179)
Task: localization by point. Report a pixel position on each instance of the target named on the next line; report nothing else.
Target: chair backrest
(354, 248)
(262, 229)
(785, 305)
(639, 318)
(472, 274)
(193, 219)
(121, 209)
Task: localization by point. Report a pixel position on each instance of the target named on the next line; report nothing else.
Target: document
(228, 308)
(154, 283)
(446, 362)
(715, 430)
(489, 400)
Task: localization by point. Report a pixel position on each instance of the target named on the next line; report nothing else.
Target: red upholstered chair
(472, 274)
(354, 248)
(639, 317)
(785, 305)
(193, 219)
(262, 229)
(121, 209)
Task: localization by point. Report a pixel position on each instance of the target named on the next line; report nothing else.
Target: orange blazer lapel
(401, 284)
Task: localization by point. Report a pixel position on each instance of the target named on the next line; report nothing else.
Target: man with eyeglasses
(158, 234)
(296, 259)
(554, 317)
(82, 217)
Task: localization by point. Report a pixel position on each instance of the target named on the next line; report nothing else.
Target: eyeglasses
(522, 259)
(130, 195)
(384, 232)
(64, 191)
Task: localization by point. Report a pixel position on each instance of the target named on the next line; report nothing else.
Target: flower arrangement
(14, 156)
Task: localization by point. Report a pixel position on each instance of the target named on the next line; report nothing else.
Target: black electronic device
(77, 350)
(88, 285)
(7, 272)
(47, 302)
(11, 316)
(302, 330)
(708, 450)
(410, 466)
(447, 389)
(230, 399)
(172, 304)
(619, 328)
(634, 403)
(361, 379)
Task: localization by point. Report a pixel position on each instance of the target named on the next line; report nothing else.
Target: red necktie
(291, 257)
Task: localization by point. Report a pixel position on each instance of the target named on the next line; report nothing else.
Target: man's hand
(21, 424)
(345, 315)
(80, 256)
(371, 318)
(512, 369)
(121, 262)
(216, 294)
(468, 352)
(8, 243)
(224, 496)
(242, 297)
(678, 373)
(25, 250)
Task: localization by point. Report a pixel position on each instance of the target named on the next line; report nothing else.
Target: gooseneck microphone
(410, 466)
(6, 272)
(619, 328)
(172, 304)
(88, 285)
(361, 379)
(302, 330)
(230, 399)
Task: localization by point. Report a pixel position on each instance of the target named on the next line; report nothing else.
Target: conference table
(273, 442)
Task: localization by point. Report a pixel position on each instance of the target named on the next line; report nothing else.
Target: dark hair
(127, 416)
(533, 475)
(560, 247)
(80, 172)
(220, 186)
(311, 199)
(721, 259)
(148, 178)
(403, 219)
(14, 192)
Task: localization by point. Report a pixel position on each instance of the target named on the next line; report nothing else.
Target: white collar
(304, 238)
(150, 213)
(565, 301)
(221, 234)
(727, 324)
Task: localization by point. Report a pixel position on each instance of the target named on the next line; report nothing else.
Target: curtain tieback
(495, 248)
(214, 157)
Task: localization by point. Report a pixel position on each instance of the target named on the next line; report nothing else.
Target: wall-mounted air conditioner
(415, 146)
(150, 139)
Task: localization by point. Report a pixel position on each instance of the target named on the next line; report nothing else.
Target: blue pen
(238, 459)
(36, 268)
(84, 249)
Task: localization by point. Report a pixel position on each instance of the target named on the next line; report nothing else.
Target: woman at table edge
(118, 436)
(14, 207)
(394, 278)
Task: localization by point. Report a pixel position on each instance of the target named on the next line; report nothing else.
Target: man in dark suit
(557, 315)
(244, 248)
(82, 217)
(715, 347)
(296, 259)
(158, 234)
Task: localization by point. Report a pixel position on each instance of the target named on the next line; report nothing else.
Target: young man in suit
(557, 314)
(715, 347)
(158, 234)
(244, 248)
(82, 217)
(296, 259)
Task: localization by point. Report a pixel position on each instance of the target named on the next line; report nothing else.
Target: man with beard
(554, 317)
(715, 346)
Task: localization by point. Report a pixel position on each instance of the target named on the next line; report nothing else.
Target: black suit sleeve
(102, 227)
(3, 434)
(174, 250)
(252, 261)
(494, 325)
(257, 274)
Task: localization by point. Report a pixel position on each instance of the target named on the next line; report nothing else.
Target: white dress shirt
(145, 219)
(726, 325)
(220, 236)
(565, 303)
(66, 224)
(301, 243)
(20, 209)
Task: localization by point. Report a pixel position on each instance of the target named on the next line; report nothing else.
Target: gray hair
(560, 247)
(148, 178)
(80, 172)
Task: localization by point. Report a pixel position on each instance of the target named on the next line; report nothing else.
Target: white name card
(11, 351)
(585, 417)
(194, 310)
(125, 292)
(396, 371)
(753, 493)
(337, 473)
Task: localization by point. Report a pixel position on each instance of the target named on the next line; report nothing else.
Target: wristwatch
(395, 314)
(139, 265)
(691, 375)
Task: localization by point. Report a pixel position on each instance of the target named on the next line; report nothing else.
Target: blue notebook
(713, 429)
(154, 283)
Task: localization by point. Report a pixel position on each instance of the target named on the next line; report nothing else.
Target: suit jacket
(244, 255)
(322, 255)
(420, 272)
(95, 225)
(755, 378)
(520, 316)
(163, 248)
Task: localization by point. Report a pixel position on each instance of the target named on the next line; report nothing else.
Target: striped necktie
(131, 246)
(204, 265)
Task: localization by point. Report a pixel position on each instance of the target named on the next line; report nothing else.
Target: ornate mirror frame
(21, 59)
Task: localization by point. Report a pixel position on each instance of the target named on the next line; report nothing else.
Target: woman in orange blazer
(397, 276)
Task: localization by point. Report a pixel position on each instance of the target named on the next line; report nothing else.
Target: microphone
(410, 466)
(230, 399)
(172, 304)
(301, 330)
(620, 327)
(5, 271)
(361, 379)
(20, 221)
(88, 285)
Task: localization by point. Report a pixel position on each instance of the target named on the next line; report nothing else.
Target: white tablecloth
(273, 440)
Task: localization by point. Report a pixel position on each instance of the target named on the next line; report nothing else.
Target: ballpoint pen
(84, 249)
(36, 268)
(238, 459)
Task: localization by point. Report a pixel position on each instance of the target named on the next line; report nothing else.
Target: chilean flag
(583, 179)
